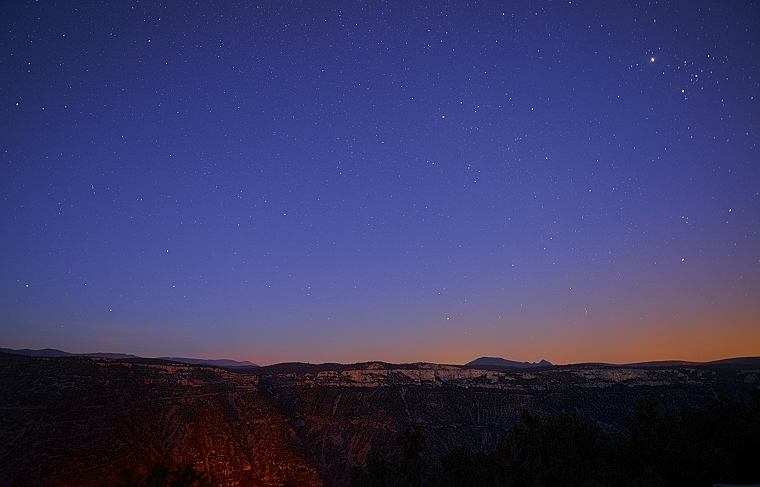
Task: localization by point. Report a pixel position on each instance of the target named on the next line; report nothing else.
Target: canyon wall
(82, 420)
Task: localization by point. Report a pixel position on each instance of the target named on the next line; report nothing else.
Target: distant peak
(501, 362)
(224, 362)
(54, 353)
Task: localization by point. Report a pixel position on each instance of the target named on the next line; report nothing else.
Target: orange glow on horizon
(619, 345)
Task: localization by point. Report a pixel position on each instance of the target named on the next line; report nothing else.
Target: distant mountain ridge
(749, 361)
(485, 362)
(481, 362)
(52, 353)
(501, 362)
(222, 362)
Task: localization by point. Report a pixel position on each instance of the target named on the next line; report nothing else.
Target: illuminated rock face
(80, 421)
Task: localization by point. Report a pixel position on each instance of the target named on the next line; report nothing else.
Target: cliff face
(80, 421)
(343, 415)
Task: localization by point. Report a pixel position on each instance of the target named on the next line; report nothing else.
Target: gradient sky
(398, 181)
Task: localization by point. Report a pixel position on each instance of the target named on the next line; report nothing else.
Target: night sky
(398, 181)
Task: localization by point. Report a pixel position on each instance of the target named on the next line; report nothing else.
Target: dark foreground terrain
(85, 420)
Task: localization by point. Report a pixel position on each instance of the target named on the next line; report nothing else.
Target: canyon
(79, 420)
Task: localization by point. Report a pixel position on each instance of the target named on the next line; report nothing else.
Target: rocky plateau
(67, 421)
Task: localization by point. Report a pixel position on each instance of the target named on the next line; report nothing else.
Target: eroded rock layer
(82, 420)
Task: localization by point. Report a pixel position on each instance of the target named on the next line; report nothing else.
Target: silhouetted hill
(500, 362)
(661, 363)
(52, 352)
(45, 352)
(223, 362)
(748, 361)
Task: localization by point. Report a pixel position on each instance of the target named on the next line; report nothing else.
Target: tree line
(717, 444)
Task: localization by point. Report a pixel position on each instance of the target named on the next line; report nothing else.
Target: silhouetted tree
(160, 475)
(404, 468)
(720, 443)
(412, 443)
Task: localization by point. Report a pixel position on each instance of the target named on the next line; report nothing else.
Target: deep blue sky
(400, 181)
